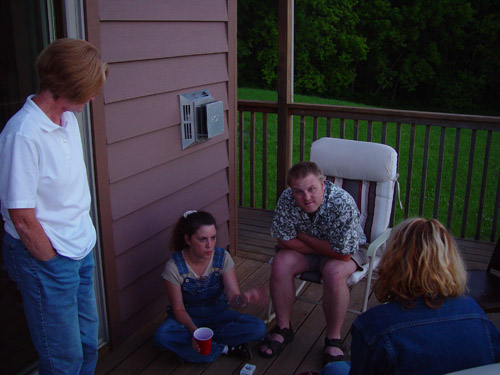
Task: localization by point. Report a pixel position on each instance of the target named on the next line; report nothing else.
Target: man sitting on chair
(317, 225)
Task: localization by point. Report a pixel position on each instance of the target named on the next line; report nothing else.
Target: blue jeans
(60, 308)
(336, 368)
(230, 328)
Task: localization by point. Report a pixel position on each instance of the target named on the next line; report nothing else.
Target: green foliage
(257, 43)
(417, 49)
(327, 46)
(426, 54)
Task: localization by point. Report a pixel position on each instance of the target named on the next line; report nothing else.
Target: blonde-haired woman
(427, 325)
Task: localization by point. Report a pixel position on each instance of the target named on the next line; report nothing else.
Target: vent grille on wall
(201, 117)
(188, 131)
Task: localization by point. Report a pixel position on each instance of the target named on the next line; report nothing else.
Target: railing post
(284, 157)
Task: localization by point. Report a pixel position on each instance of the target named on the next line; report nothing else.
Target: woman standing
(199, 280)
(44, 190)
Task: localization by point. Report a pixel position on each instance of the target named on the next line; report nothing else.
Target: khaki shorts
(316, 262)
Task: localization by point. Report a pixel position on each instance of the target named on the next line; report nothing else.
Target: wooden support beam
(284, 156)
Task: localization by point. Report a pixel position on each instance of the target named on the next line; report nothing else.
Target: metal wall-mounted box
(202, 117)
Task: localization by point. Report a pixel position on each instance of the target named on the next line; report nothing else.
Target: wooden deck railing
(449, 164)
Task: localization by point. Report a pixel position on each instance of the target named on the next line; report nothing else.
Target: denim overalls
(206, 303)
(203, 298)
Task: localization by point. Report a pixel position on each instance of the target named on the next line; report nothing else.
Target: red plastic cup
(203, 337)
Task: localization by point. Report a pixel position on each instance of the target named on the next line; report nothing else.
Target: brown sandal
(336, 343)
(276, 346)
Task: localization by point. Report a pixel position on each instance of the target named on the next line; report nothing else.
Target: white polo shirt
(42, 167)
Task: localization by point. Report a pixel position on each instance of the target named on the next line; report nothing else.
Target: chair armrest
(480, 370)
(378, 242)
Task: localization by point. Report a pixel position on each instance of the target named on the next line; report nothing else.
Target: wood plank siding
(157, 50)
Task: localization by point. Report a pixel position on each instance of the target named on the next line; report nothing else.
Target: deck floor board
(138, 355)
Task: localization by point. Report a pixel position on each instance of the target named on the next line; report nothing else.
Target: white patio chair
(493, 369)
(368, 171)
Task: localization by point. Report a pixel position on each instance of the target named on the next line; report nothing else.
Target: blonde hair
(421, 260)
(72, 69)
(303, 169)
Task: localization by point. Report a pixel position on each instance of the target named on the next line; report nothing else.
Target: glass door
(24, 33)
(75, 28)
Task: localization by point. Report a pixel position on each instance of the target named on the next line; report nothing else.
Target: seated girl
(428, 325)
(199, 280)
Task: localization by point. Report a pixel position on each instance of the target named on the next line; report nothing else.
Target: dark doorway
(26, 27)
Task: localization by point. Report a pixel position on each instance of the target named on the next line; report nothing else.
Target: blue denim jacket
(388, 339)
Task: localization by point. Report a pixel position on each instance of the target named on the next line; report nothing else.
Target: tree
(257, 43)
(428, 54)
(327, 46)
(422, 54)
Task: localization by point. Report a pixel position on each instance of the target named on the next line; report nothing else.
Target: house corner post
(285, 50)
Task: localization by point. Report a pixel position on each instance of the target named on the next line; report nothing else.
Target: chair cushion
(355, 160)
(367, 171)
(374, 201)
(493, 369)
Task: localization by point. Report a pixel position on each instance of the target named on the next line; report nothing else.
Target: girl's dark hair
(188, 225)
